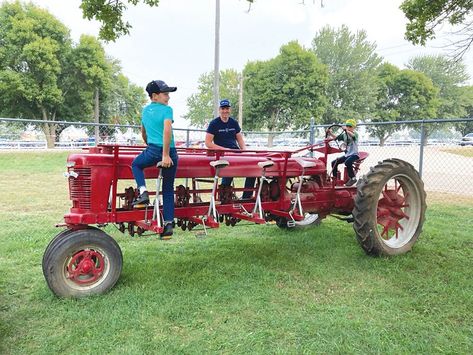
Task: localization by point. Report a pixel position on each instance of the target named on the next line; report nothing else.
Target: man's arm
(167, 132)
(143, 134)
(209, 142)
(241, 141)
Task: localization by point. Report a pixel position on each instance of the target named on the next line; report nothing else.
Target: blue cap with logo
(225, 103)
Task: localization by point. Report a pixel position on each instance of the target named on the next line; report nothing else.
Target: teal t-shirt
(152, 119)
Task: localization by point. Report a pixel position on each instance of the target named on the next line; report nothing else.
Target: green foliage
(43, 75)
(200, 104)
(403, 95)
(286, 91)
(449, 77)
(110, 14)
(426, 15)
(35, 48)
(351, 62)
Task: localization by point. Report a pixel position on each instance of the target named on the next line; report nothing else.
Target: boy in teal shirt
(156, 129)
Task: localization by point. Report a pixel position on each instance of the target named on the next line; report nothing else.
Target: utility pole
(240, 101)
(96, 116)
(216, 58)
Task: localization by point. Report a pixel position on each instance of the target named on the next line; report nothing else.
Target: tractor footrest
(209, 222)
(248, 217)
(149, 226)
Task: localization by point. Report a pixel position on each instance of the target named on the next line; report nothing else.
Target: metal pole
(216, 58)
(312, 134)
(421, 153)
(96, 116)
(240, 102)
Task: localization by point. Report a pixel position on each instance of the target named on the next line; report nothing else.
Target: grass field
(247, 289)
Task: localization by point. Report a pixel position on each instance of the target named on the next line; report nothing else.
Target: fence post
(421, 153)
(187, 138)
(312, 134)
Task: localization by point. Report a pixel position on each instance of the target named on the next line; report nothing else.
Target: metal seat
(265, 164)
(217, 164)
(305, 163)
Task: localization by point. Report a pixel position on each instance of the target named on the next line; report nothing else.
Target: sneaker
(351, 182)
(143, 199)
(167, 232)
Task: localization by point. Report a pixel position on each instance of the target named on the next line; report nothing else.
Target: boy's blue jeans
(348, 160)
(149, 157)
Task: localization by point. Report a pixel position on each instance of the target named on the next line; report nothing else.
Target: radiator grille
(79, 188)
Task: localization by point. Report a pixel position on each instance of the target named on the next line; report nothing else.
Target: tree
(43, 75)
(351, 61)
(425, 16)
(35, 48)
(403, 95)
(386, 101)
(124, 102)
(449, 77)
(110, 14)
(200, 104)
(286, 91)
(466, 92)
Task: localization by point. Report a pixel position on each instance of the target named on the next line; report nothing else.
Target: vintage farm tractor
(387, 207)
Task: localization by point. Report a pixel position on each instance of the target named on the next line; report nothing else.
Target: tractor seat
(306, 164)
(217, 164)
(265, 164)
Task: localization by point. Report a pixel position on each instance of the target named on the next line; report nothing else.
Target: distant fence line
(441, 170)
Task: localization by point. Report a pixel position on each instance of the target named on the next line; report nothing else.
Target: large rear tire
(389, 208)
(82, 263)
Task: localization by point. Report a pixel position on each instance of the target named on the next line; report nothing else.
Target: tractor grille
(79, 188)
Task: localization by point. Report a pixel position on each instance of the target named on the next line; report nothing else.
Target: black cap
(225, 103)
(157, 86)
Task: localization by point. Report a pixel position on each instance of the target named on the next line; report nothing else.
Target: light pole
(216, 58)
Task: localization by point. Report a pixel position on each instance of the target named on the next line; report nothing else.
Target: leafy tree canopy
(110, 14)
(351, 62)
(448, 76)
(425, 16)
(200, 104)
(403, 95)
(286, 91)
(43, 75)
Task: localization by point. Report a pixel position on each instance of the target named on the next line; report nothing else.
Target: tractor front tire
(81, 263)
(389, 208)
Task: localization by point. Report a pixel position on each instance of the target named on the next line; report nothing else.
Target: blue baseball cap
(157, 86)
(225, 103)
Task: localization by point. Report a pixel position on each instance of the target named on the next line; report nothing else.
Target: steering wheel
(337, 130)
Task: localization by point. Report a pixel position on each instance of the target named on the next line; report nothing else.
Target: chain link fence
(434, 147)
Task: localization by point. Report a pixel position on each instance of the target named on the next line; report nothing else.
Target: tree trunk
(270, 140)
(49, 130)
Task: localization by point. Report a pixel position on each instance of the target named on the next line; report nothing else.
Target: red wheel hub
(390, 210)
(86, 266)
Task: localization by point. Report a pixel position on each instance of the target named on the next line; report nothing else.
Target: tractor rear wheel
(80, 263)
(389, 208)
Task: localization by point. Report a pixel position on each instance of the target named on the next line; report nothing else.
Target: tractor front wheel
(82, 263)
(389, 208)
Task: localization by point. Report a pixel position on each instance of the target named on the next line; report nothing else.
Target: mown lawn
(247, 289)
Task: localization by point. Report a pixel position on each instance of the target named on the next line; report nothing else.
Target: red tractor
(387, 206)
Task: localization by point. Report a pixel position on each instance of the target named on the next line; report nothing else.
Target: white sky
(175, 41)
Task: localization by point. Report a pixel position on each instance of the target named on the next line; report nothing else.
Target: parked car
(467, 140)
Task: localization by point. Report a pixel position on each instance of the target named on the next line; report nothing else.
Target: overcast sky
(175, 41)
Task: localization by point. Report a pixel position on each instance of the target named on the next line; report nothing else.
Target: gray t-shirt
(351, 142)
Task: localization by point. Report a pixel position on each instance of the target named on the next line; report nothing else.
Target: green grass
(464, 151)
(247, 289)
